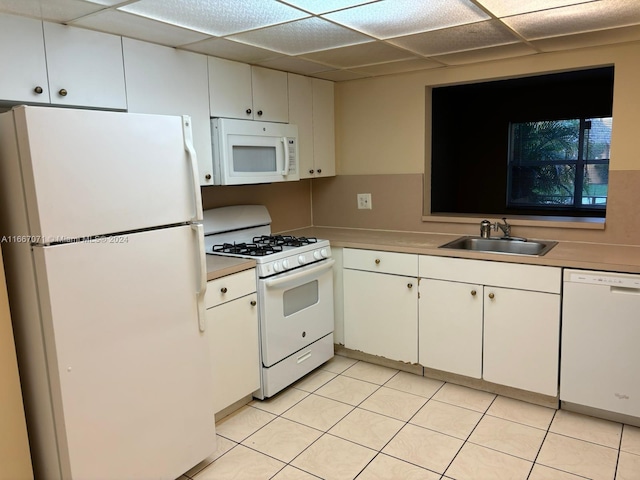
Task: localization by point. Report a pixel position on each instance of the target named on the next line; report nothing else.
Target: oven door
(296, 310)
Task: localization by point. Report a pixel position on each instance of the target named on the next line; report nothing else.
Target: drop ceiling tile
(457, 39)
(121, 23)
(216, 17)
(302, 36)
(53, 10)
(504, 8)
(393, 18)
(339, 75)
(589, 39)
(486, 54)
(401, 66)
(295, 65)
(220, 47)
(324, 6)
(576, 19)
(359, 55)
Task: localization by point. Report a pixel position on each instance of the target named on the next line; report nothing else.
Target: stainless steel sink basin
(501, 245)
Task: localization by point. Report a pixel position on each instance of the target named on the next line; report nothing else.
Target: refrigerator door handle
(202, 275)
(193, 159)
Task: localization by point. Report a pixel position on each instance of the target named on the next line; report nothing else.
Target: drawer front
(509, 275)
(225, 289)
(382, 262)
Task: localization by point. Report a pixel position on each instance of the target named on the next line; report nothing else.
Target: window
(559, 164)
(534, 145)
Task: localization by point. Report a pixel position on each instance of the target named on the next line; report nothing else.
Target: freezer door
(130, 378)
(91, 173)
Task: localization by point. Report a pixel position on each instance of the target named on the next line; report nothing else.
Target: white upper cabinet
(311, 109)
(85, 67)
(163, 80)
(238, 90)
(22, 57)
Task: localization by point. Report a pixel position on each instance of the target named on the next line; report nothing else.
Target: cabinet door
(301, 114)
(85, 67)
(23, 60)
(450, 326)
(381, 314)
(324, 151)
(522, 339)
(270, 102)
(167, 81)
(232, 330)
(230, 89)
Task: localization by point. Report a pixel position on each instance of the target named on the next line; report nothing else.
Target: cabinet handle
(409, 285)
(259, 113)
(38, 90)
(377, 261)
(248, 110)
(253, 303)
(207, 176)
(319, 170)
(63, 92)
(491, 296)
(223, 289)
(473, 293)
(311, 171)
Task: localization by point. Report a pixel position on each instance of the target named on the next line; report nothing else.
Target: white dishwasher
(600, 356)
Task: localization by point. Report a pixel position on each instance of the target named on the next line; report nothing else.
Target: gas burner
(251, 249)
(284, 240)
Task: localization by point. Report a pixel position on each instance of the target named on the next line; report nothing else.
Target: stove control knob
(276, 267)
(301, 259)
(324, 253)
(317, 255)
(285, 264)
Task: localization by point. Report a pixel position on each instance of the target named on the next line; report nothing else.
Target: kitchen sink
(513, 246)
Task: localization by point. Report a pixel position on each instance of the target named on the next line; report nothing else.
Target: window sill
(584, 223)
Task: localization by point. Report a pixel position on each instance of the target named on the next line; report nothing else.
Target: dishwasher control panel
(609, 280)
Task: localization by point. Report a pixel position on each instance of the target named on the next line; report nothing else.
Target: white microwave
(247, 151)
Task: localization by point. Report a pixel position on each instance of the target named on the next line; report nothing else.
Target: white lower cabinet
(381, 303)
(232, 330)
(491, 320)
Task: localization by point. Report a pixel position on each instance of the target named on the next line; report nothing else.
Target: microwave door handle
(285, 146)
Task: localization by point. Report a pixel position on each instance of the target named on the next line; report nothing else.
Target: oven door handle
(296, 276)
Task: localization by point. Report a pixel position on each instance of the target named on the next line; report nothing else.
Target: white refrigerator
(106, 275)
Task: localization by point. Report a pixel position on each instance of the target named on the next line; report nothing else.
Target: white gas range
(295, 291)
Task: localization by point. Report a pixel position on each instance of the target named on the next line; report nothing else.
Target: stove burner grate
(252, 249)
(284, 240)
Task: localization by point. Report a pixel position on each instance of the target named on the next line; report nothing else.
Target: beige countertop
(591, 256)
(219, 266)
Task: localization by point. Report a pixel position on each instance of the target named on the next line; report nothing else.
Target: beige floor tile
(367, 428)
(410, 383)
(578, 457)
(426, 448)
(333, 458)
(475, 462)
(347, 390)
(242, 423)
(540, 472)
(384, 467)
(464, 397)
(282, 439)
(394, 403)
(508, 437)
(631, 440)
(280, 403)
(522, 412)
(628, 467)
(223, 445)
(370, 372)
(293, 473)
(446, 418)
(314, 380)
(338, 364)
(318, 412)
(241, 463)
(583, 427)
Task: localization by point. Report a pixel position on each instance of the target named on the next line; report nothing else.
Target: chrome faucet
(506, 228)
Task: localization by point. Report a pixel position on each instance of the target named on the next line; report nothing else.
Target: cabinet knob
(253, 303)
(207, 176)
(259, 113)
(248, 110)
(223, 289)
(63, 92)
(409, 285)
(319, 170)
(473, 293)
(311, 171)
(491, 296)
(377, 261)
(38, 90)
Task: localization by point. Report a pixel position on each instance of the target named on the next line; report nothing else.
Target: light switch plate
(364, 201)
